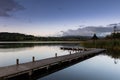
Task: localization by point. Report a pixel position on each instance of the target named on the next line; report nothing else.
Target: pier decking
(74, 48)
(30, 67)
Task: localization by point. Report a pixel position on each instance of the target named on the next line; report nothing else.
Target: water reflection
(113, 54)
(102, 67)
(23, 45)
(14, 47)
(52, 69)
(9, 52)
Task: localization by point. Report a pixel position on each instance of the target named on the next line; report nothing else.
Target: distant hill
(5, 36)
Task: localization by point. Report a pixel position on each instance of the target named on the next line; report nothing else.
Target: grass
(112, 46)
(107, 44)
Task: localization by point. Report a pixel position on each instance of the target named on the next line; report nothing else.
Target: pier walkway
(30, 67)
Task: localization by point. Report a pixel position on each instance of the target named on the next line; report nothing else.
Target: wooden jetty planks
(26, 67)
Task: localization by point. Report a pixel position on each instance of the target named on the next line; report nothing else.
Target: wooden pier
(74, 48)
(30, 67)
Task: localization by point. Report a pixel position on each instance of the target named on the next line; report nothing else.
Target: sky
(59, 17)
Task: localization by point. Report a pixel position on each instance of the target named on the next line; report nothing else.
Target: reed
(107, 44)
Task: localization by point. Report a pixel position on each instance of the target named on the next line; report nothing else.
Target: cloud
(7, 6)
(90, 30)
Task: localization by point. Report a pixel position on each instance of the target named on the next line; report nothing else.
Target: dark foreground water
(101, 67)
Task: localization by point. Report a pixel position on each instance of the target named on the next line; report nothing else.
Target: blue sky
(50, 17)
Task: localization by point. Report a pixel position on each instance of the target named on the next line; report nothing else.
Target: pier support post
(33, 59)
(30, 73)
(47, 67)
(59, 63)
(55, 54)
(17, 61)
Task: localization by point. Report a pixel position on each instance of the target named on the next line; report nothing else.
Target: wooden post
(48, 66)
(70, 52)
(30, 73)
(83, 49)
(75, 51)
(72, 49)
(33, 59)
(17, 61)
(78, 50)
(114, 36)
(55, 54)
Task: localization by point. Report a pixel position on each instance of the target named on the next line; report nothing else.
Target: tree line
(5, 36)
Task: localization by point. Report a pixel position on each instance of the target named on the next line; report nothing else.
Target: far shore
(40, 41)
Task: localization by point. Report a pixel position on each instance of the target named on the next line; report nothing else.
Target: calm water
(100, 67)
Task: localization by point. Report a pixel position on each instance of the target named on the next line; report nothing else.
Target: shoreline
(40, 41)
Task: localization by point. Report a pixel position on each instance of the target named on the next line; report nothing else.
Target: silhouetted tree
(94, 37)
(5, 36)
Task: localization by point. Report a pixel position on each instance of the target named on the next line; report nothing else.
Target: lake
(104, 66)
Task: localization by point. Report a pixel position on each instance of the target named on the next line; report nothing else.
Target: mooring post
(72, 49)
(78, 49)
(33, 59)
(55, 54)
(83, 49)
(17, 61)
(70, 52)
(75, 51)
